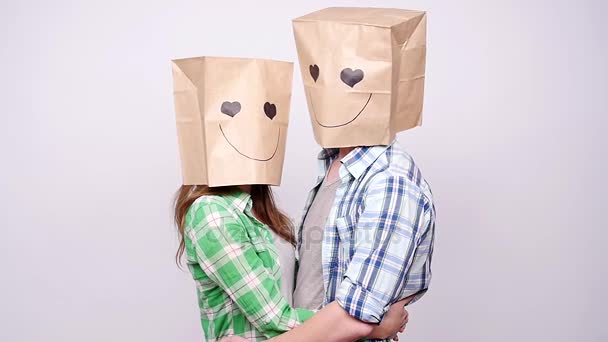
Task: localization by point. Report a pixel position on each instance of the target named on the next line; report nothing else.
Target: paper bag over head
(363, 72)
(232, 116)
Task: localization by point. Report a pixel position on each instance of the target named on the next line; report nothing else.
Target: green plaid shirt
(234, 263)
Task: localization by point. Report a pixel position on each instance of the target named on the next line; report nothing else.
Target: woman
(226, 237)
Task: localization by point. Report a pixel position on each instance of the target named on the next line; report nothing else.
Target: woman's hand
(393, 322)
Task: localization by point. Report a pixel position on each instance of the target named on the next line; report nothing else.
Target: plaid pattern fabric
(234, 263)
(378, 238)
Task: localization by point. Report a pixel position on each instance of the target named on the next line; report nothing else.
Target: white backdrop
(512, 144)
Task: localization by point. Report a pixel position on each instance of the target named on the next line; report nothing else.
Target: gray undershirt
(309, 292)
(287, 260)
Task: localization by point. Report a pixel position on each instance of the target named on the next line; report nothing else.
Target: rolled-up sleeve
(384, 267)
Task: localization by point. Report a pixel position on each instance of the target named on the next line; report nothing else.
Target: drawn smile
(314, 112)
(276, 147)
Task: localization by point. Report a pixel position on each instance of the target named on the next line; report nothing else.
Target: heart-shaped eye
(231, 108)
(351, 77)
(314, 71)
(270, 109)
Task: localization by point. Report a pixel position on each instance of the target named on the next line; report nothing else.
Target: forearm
(331, 324)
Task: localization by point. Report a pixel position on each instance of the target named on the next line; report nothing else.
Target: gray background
(512, 145)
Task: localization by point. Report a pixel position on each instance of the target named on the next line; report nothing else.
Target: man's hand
(233, 339)
(393, 322)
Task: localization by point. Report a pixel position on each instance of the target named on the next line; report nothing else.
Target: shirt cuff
(359, 303)
(304, 314)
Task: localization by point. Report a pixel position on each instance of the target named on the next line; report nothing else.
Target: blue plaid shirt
(378, 238)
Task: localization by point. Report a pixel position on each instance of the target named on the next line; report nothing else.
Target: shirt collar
(241, 200)
(356, 162)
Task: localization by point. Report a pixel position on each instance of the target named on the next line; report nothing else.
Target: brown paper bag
(363, 72)
(232, 116)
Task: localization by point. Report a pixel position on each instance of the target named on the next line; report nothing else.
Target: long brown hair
(264, 208)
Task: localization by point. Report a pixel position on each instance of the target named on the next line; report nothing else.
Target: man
(366, 239)
(363, 72)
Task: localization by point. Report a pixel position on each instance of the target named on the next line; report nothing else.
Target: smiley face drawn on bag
(350, 78)
(231, 109)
